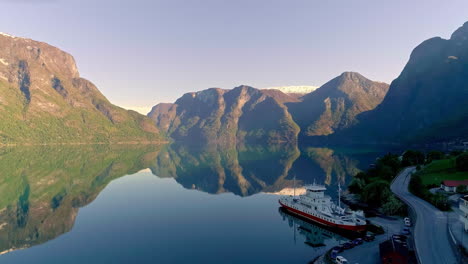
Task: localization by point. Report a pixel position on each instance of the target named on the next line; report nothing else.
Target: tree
(392, 161)
(413, 157)
(440, 201)
(416, 186)
(393, 206)
(356, 185)
(386, 172)
(376, 193)
(462, 162)
(461, 189)
(455, 153)
(434, 155)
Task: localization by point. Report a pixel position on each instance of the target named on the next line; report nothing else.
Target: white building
(451, 186)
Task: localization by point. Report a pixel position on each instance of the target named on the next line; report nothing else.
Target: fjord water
(171, 204)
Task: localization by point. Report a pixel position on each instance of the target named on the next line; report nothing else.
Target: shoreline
(85, 143)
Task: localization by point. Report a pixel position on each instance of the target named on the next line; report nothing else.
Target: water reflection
(247, 170)
(244, 170)
(42, 188)
(313, 235)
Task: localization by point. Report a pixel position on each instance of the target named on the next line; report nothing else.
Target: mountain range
(247, 114)
(428, 102)
(43, 99)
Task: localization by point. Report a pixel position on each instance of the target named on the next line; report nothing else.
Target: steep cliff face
(43, 100)
(243, 114)
(335, 105)
(428, 101)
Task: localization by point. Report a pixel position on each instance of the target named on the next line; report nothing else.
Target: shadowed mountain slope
(427, 102)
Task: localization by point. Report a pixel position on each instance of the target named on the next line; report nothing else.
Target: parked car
(400, 237)
(407, 221)
(369, 238)
(406, 231)
(339, 249)
(333, 254)
(341, 260)
(348, 245)
(402, 242)
(357, 241)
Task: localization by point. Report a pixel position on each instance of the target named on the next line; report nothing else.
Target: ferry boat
(318, 207)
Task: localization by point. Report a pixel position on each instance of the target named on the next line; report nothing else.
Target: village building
(451, 186)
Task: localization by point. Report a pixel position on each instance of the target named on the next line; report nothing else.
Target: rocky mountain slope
(428, 101)
(335, 105)
(243, 114)
(43, 99)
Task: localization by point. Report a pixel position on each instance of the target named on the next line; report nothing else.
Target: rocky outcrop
(243, 114)
(427, 102)
(335, 105)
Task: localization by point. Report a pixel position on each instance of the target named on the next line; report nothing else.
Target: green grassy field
(440, 170)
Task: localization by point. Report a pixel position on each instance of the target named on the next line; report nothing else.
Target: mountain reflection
(42, 188)
(247, 170)
(242, 170)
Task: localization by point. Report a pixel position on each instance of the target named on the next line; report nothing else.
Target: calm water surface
(169, 204)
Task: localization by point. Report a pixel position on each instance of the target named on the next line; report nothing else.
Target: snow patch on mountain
(7, 35)
(301, 89)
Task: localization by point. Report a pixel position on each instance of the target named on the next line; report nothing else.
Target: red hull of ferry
(359, 228)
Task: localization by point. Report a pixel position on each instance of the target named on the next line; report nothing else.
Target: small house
(451, 186)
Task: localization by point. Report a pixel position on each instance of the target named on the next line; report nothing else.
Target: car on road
(401, 242)
(341, 260)
(369, 238)
(407, 221)
(348, 245)
(406, 231)
(339, 249)
(333, 254)
(357, 241)
(400, 237)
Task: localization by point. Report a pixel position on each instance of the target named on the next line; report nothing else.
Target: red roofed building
(451, 186)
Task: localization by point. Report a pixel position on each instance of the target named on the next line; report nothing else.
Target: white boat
(318, 207)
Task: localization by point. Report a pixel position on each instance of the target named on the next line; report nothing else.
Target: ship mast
(294, 185)
(339, 194)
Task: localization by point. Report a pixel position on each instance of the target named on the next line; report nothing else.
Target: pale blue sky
(142, 52)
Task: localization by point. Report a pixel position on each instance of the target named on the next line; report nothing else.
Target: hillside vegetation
(43, 99)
